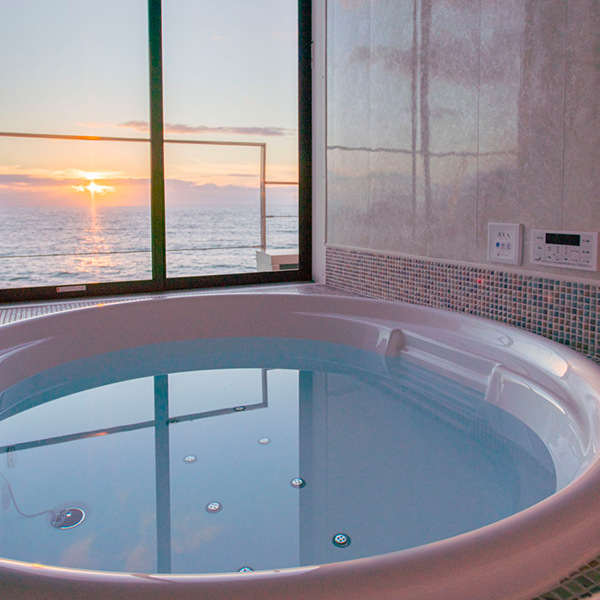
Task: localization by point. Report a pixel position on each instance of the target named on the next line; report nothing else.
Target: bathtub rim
(527, 530)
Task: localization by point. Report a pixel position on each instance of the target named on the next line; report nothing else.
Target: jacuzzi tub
(552, 390)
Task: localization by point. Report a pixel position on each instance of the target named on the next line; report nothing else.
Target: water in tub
(213, 456)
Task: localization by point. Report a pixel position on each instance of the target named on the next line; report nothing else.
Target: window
(148, 145)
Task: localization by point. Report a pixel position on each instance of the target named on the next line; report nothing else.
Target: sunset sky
(80, 67)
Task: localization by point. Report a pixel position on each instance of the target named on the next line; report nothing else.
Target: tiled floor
(584, 583)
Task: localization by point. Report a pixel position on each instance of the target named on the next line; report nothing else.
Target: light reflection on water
(388, 455)
(71, 241)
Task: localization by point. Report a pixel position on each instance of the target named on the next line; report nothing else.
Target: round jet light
(264, 440)
(245, 570)
(68, 518)
(190, 458)
(341, 540)
(298, 482)
(213, 507)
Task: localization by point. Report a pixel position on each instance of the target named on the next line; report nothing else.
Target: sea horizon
(64, 245)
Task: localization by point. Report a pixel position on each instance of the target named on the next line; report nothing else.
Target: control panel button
(574, 257)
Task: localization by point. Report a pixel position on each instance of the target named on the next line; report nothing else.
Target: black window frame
(160, 282)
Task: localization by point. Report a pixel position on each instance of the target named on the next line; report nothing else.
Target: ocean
(65, 246)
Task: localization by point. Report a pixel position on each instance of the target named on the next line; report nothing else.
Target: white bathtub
(553, 390)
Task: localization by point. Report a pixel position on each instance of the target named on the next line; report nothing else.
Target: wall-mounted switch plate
(505, 243)
(570, 249)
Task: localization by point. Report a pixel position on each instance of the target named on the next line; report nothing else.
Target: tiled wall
(561, 310)
(445, 115)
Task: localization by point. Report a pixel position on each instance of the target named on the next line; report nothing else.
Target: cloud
(17, 181)
(80, 554)
(140, 560)
(37, 174)
(94, 188)
(27, 190)
(453, 54)
(137, 125)
(23, 190)
(185, 193)
(195, 129)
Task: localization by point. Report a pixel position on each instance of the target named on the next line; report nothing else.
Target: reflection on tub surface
(290, 453)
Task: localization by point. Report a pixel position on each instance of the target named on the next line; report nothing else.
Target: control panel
(572, 249)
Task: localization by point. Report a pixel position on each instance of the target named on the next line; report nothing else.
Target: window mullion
(157, 144)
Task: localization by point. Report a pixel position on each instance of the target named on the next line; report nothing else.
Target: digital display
(564, 239)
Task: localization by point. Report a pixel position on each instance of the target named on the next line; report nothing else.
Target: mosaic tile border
(584, 583)
(561, 310)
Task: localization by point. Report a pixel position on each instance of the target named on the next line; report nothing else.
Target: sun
(94, 188)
